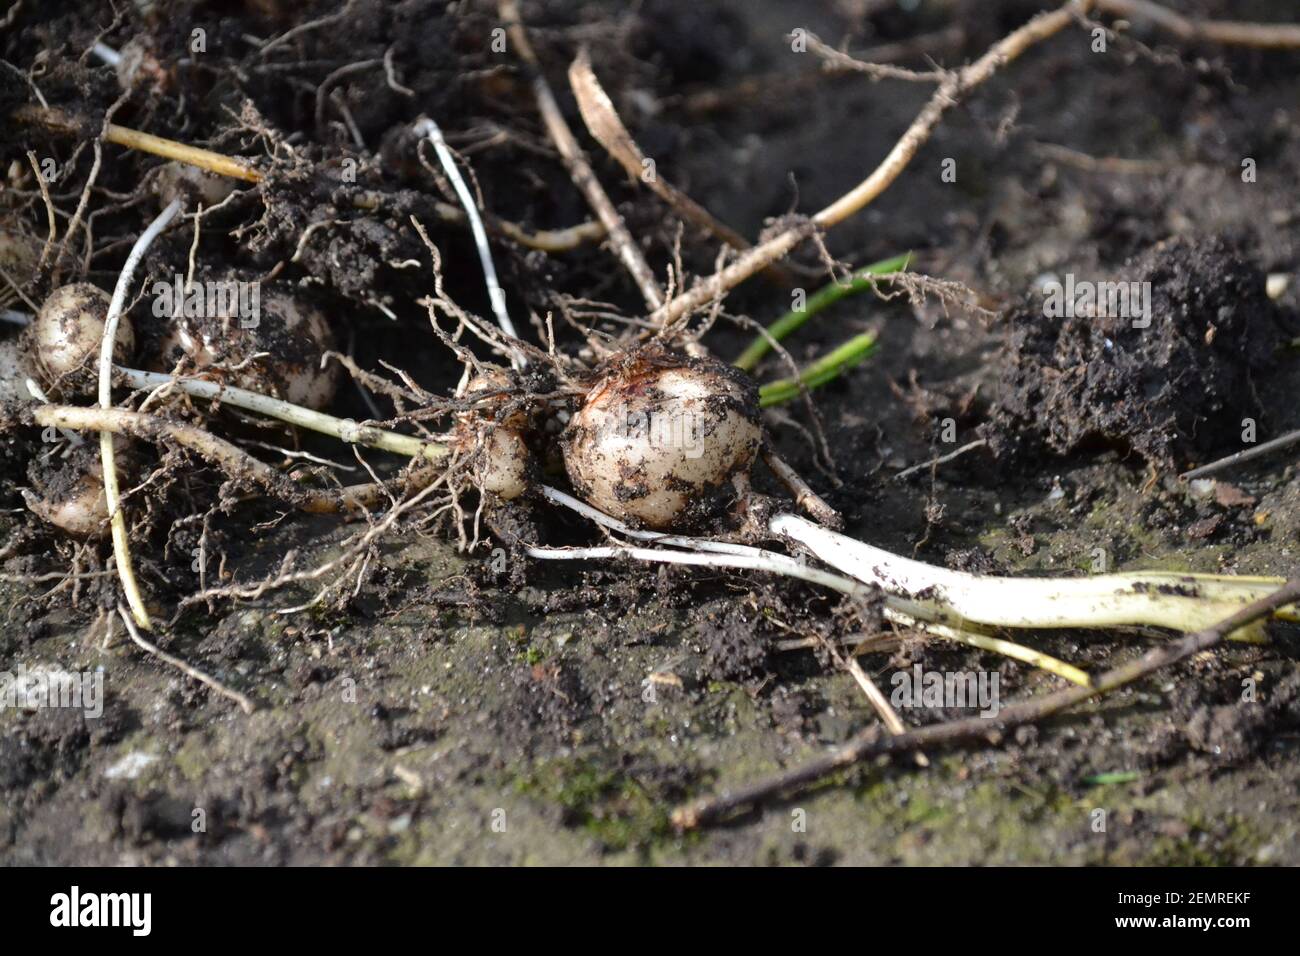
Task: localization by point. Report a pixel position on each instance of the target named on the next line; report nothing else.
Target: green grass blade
(830, 366)
(861, 280)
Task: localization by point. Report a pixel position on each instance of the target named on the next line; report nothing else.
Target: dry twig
(604, 123)
(954, 85)
(1268, 36)
(871, 743)
(575, 161)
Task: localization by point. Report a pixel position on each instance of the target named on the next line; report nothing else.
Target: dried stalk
(629, 253)
(954, 85)
(871, 743)
(605, 125)
(1267, 36)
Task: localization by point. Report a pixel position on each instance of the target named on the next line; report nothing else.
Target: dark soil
(1168, 386)
(477, 707)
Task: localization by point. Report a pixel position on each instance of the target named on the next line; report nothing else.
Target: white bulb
(501, 460)
(293, 334)
(658, 441)
(65, 336)
(70, 494)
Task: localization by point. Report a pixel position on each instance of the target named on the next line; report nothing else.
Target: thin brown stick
(52, 232)
(1106, 165)
(879, 703)
(954, 85)
(888, 716)
(1250, 454)
(302, 28)
(804, 496)
(606, 126)
(188, 670)
(942, 459)
(833, 59)
(547, 240)
(870, 743)
(230, 458)
(786, 84)
(1268, 36)
(580, 171)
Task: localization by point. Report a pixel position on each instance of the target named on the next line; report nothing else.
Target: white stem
(905, 613)
(760, 560)
(556, 496)
(15, 317)
(901, 609)
(496, 295)
(1184, 602)
(107, 54)
(344, 429)
(112, 495)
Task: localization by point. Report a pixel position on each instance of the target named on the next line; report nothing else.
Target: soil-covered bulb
(264, 339)
(503, 462)
(69, 493)
(64, 338)
(660, 439)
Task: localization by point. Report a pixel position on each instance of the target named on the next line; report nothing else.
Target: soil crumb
(1171, 385)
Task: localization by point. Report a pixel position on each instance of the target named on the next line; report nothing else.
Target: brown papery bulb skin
(294, 334)
(659, 441)
(504, 463)
(65, 336)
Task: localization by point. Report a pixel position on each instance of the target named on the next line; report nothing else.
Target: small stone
(1230, 496)
(130, 766)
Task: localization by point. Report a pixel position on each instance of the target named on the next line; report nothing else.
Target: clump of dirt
(1171, 386)
(1233, 732)
(733, 648)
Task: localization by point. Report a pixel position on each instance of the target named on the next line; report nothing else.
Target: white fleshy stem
(1184, 602)
(107, 54)
(112, 494)
(757, 559)
(344, 429)
(496, 295)
(768, 561)
(558, 497)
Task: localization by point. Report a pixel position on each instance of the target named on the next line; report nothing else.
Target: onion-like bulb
(70, 495)
(659, 440)
(293, 334)
(503, 463)
(19, 256)
(192, 185)
(64, 338)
